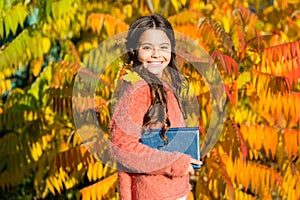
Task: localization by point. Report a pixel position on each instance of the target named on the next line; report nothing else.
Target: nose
(155, 53)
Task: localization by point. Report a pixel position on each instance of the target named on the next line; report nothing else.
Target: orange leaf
(290, 140)
(259, 134)
(273, 144)
(101, 188)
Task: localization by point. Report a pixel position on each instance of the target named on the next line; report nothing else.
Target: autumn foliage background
(255, 44)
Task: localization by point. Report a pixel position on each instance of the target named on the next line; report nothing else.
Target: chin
(155, 72)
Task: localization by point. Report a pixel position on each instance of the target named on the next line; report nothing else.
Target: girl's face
(154, 50)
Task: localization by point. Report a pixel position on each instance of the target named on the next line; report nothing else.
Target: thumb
(196, 162)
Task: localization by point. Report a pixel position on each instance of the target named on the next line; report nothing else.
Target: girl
(151, 100)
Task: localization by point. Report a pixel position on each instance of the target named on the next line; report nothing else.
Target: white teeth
(155, 62)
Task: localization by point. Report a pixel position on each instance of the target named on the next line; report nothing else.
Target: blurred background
(255, 44)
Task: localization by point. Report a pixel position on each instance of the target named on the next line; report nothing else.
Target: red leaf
(278, 178)
(241, 139)
(58, 164)
(228, 94)
(63, 160)
(70, 159)
(227, 62)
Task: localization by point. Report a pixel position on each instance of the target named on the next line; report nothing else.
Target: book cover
(183, 139)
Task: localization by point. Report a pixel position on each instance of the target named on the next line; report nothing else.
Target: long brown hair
(158, 111)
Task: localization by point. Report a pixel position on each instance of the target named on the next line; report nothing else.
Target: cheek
(167, 56)
(142, 56)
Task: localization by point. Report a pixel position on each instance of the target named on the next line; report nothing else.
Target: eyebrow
(148, 43)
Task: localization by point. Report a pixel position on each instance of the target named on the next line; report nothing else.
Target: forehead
(154, 36)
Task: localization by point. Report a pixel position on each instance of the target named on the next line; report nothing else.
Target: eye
(146, 47)
(164, 47)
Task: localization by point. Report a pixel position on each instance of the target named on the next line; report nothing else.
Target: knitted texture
(146, 173)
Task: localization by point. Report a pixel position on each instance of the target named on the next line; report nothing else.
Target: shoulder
(137, 93)
(132, 83)
(130, 108)
(140, 88)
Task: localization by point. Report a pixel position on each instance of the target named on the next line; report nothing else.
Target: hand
(190, 169)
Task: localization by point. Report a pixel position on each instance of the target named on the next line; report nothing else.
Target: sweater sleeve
(133, 156)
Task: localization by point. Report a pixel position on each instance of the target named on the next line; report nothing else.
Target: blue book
(183, 139)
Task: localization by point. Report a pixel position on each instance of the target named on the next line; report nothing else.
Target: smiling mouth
(155, 62)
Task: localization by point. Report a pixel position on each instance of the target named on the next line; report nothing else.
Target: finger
(188, 171)
(196, 162)
(191, 170)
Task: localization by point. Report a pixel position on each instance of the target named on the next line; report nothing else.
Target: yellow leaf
(243, 79)
(156, 5)
(2, 87)
(46, 44)
(38, 149)
(191, 196)
(70, 182)
(60, 179)
(183, 2)
(226, 24)
(204, 117)
(37, 66)
(132, 77)
(2, 76)
(100, 169)
(49, 186)
(176, 5)
(8, 84)
(215, 189)
(127, 9)
(90, 172)
(95, 171)
(8, 72)
(33, 153)
(101, 188)
(210, 185)
(55, 183)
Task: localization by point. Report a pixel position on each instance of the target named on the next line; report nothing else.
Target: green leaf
(48, 7)
(1, 6)
(55, 10)
(18, 49)
(41, 84)
(8, 24)
(1, 28)
(243, 79)
(14, 20)
(22, 14)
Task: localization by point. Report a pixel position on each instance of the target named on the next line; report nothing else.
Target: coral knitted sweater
(146, 173)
